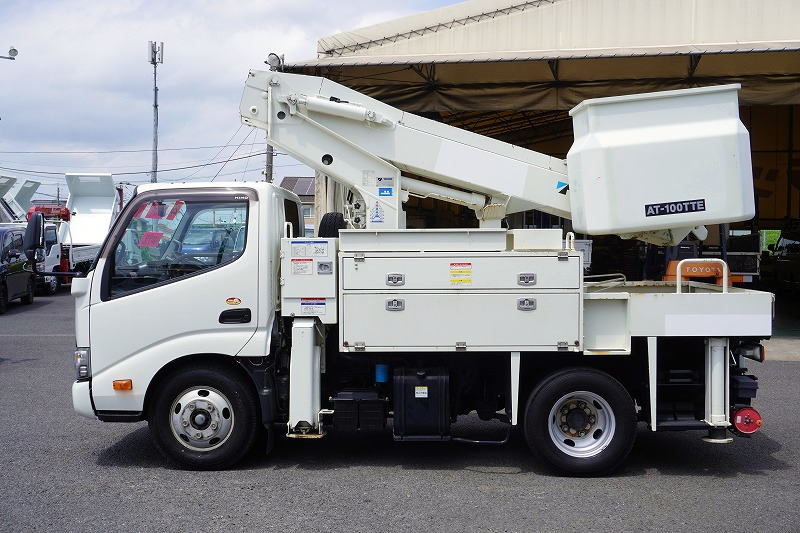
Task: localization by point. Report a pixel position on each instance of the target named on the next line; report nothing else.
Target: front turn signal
(123, 384)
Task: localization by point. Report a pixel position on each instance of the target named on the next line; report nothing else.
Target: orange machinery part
(698, 270)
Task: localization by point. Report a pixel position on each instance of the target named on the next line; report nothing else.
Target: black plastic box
(421, 404)
(744, 387)
(359, 410)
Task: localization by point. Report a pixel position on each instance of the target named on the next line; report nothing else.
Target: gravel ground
(59, 471)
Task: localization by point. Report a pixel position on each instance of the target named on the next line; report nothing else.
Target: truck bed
(615, 311)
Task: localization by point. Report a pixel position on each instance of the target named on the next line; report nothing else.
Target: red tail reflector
(747, 420)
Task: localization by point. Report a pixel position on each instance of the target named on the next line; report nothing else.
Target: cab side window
(6, 245)
(50, 238)
(292, 213)
(16, 243)
(170, 239)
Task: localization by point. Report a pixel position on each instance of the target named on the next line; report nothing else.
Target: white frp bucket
(657, 161)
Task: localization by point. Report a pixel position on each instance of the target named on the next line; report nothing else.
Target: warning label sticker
(312, 306)
(420, 391)
(302, 267)
(460, 273)
(309, 248)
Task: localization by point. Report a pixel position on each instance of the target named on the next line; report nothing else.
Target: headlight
(83, 366)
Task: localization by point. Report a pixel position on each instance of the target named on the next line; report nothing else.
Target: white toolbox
(460, 301)
(465, 271)
(447, 321)
(308, 278)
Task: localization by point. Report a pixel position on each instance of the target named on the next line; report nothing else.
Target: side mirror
(34, 237)
(771, 247)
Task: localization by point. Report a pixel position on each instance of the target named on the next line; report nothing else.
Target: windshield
(786, 245)
(169, 239)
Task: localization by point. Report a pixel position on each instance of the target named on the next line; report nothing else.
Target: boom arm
(652, 166)
(363, 144)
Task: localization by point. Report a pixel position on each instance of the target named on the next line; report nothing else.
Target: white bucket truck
(208, 317)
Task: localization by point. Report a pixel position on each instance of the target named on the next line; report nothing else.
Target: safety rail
(719, 261)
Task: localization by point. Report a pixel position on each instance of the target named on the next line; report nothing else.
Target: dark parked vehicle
(15, 281)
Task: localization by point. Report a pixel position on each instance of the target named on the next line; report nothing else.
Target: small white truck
(207, 315)
(92, 204)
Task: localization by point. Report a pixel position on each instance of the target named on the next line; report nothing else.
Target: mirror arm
(65, 273)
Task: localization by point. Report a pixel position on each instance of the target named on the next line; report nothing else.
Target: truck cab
(170, 303)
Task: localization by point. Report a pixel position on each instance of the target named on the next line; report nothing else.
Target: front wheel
(31, 290)
(51, 286)
(204, 418)
(582, 421)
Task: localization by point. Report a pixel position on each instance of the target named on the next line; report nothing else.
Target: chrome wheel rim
(201, 418)
(581, 424)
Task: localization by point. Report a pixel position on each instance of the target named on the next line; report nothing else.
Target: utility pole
(156, 56)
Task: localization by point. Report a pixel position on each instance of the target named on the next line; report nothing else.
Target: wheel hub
(201, 418)
(581, 424)
(577, 418)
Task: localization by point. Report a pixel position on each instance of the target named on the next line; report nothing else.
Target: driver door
(154, 299)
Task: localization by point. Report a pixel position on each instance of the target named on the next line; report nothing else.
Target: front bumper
(82, 399)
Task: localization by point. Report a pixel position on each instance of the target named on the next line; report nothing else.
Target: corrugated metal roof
(504, 30)
(538, 55)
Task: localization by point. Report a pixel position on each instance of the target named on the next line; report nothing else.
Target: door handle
(235, 316)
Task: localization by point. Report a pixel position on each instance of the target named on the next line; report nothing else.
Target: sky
(82, 81)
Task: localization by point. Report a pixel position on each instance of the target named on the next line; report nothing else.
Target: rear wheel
(582, 421)
(31, 290)
(204, 418)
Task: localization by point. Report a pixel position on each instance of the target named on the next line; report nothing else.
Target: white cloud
(82, 81)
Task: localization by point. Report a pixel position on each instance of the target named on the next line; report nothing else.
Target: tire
(49, 288)
(227, 429)
(28, 298)
(3, 297)
(330, 225)
(560, 408)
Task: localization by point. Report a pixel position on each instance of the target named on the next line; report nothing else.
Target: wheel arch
(195, 360)
(629, 370)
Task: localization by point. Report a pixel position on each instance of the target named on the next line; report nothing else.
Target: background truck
(13, 208)
(371, 323)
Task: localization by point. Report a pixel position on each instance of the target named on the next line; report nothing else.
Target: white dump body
(17, 206)
(659, 160)
(92, 203)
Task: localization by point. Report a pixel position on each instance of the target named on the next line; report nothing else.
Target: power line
(234, 152)
(90, 168)
(35, 172)
(223, 148)
(37, 152)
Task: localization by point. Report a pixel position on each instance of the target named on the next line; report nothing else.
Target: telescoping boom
(652, 166)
